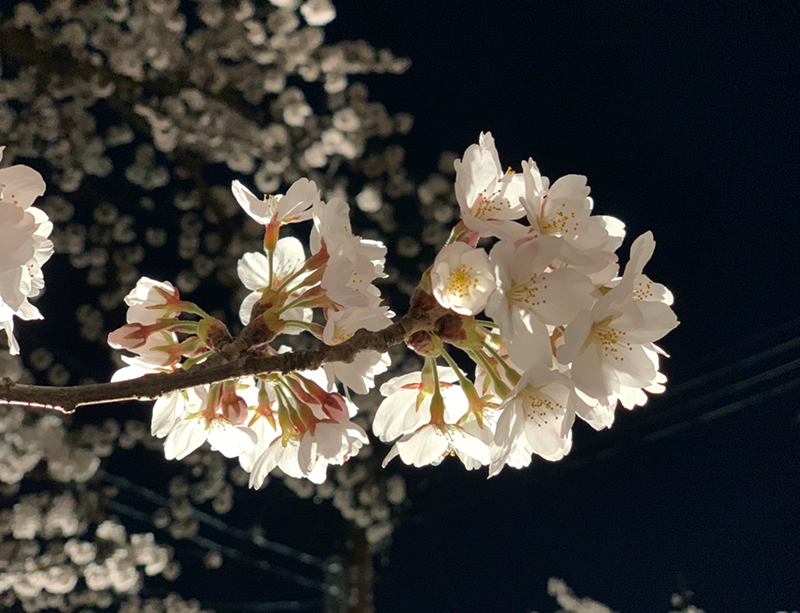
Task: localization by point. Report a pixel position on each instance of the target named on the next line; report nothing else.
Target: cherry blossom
(535, 418)
(291, 208)
(462, 279)
(529, 297)
(607, 347)
(259, 272)
(358, 375)
(489, 199)
(24, 246)
(152, 300)
(407, 401)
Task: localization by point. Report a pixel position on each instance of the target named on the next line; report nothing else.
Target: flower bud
(425, 344)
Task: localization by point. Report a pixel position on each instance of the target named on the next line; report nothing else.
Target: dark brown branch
(149, 387)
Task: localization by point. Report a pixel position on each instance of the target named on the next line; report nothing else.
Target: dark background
(684, 118)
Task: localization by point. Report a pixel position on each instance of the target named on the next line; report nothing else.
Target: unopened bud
(213, 333)
(423, 301)
(425, 344)
(450, 329)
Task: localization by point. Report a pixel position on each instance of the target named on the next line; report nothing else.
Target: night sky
(684, 119)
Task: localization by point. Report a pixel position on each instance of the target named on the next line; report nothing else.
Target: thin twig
(150, 387)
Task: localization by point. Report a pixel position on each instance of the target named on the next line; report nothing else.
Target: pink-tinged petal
(592, 375)
(657, 319)
(529, 343)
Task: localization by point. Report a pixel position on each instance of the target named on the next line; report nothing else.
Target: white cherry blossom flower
(150, 301)
(253, 269)
(24, 246)
(331, 225)
(536, 418)
(529, 297)
(431, 443)
(193, 429)
(230, 440)
(489, 199)
(332, 441)
(350, 271)
(358, 375)
(462, 279)
(277, 210)
(169, 410)
(564, 209)
(608, 346)
(402, 413)
(283, 453)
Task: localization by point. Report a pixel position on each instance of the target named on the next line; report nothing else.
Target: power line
(232, 553)
(218, 524)
(258, 607)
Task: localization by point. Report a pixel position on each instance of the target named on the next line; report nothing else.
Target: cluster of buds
(553, 330)
(298, 422)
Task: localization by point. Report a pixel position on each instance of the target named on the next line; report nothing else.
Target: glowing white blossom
(293, 207)
(24, 247)
(529, 296)
(607, 347)
(462, 279)
(489, 199)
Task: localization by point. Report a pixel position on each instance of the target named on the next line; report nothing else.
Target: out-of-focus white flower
(462, 279)
(318, 12)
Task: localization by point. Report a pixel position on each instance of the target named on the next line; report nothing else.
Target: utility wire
(232, 553)
(218, 524)
(258, 607)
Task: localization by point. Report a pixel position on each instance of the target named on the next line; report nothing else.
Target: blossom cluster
(24, 246)
(563, 335)
(298, 422)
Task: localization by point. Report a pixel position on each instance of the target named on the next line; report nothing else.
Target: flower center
(539, 409)
(461, 280)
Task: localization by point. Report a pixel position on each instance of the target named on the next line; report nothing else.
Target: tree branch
(150, 387)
